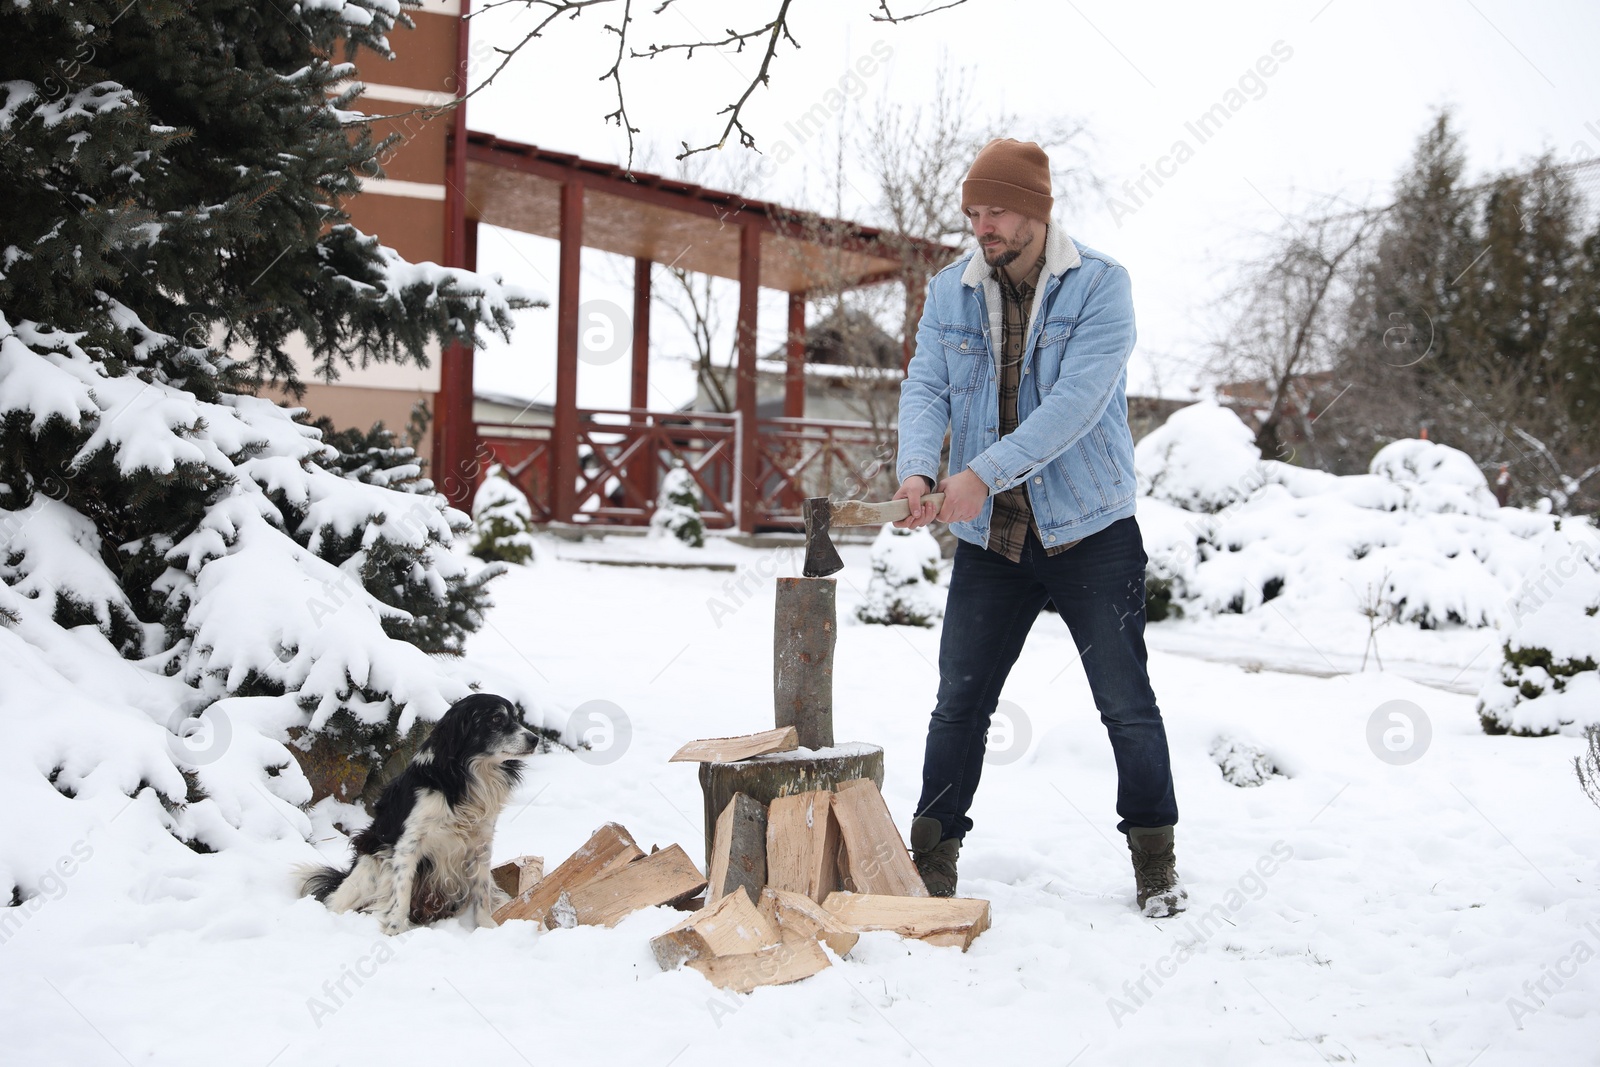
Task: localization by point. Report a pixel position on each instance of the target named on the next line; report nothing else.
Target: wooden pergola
(654, 219)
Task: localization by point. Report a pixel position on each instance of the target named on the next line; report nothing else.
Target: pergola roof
(518, 186)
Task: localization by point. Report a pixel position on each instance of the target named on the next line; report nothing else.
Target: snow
(1432, 903)
(1257, 549)
(1372, 911)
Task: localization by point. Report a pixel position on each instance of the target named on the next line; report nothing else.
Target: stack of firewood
(809, 869)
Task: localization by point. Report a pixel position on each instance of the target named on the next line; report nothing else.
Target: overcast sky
(1352, 84)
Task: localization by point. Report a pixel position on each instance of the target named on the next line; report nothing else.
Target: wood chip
(610, 846)
(739, 850)
(936, 920)
(515, 877)
(728, 927)
(659, 878)
(733, 749)
(787, 961)
(802, 843)
(877, 861)
(798, 917)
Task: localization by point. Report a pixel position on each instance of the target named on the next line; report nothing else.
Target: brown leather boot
(1155, 871)
(935, 859)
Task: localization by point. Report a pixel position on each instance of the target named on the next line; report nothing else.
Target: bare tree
(769, 29)
(1287, 316)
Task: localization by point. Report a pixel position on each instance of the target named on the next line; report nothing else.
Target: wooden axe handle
(865, 513)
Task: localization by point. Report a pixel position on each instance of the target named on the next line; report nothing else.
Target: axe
(822, 514)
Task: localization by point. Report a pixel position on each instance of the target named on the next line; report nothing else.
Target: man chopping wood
(1022, 355)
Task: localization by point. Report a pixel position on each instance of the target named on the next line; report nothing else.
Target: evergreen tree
(678, 512)
(174, 171)
(501, 516)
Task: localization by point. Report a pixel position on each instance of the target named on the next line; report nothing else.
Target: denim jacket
(1072, 447)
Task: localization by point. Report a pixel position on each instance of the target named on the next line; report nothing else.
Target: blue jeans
(1098, 589)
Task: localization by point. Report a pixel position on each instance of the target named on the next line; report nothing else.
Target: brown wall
(358, 407)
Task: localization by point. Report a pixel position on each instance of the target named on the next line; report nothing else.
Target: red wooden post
(794, 376)
(916, 290)
(564, 446)
(453, 435)
(642, 470)
(749, 292)
(639, 395)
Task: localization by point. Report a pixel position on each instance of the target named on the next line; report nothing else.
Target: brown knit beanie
(1011, 174)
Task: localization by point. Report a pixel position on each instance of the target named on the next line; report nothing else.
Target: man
(1022, 356)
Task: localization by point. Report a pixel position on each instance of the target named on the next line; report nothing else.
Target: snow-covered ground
(1356, 909)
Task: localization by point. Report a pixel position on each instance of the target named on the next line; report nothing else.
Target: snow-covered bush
(905, 576)
(501, 516)
(677, 511)
(1203, 458)
(1242, 764)
(1418, 539)
(1548, 681)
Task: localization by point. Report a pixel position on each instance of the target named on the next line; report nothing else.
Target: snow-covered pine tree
(500, 519)
(173, 172)
(677, 512)
(905, 577)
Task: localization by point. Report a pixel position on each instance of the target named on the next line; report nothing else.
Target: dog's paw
(392, 924)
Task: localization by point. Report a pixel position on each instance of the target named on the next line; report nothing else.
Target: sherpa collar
(1060, 256)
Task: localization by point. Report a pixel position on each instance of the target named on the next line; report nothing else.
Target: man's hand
(911, 491)
(964, 495)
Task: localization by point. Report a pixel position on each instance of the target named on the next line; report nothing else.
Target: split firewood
(728, 927)
(662, 877)
(610, 846)
(739, 850)
(802, 840)
(787, 961)
(733, 749)
(876, 861)
(936, 920)
(798, 917)
(515, 877)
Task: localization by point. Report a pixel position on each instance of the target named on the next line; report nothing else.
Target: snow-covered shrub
(905, 575)
(501, 516)
(1435, 478)
(1548, 681)
(677, 511)
(1203, 458)
(1588, 765)
(1419, 539)
(1242, 764)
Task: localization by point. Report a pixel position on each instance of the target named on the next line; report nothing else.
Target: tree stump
(781, 774)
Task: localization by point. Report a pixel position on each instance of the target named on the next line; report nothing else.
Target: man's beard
(1003, 255)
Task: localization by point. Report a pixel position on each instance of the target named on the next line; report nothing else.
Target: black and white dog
(425, 856)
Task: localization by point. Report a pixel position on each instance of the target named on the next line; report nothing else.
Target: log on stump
(728, 927)
(662, 877)
(787, 961)
(805, 627)
(781, 774)
(803, 844)
(738, 850)
(515, 877)
(731, 749)
(936, 920)
(874, 859)
(799, 917)
(610, 846)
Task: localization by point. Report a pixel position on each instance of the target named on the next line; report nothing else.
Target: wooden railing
(624, 452)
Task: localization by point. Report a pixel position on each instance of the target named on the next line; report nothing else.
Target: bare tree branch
(889, 16)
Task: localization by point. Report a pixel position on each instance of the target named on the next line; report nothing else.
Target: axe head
(822, 559)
